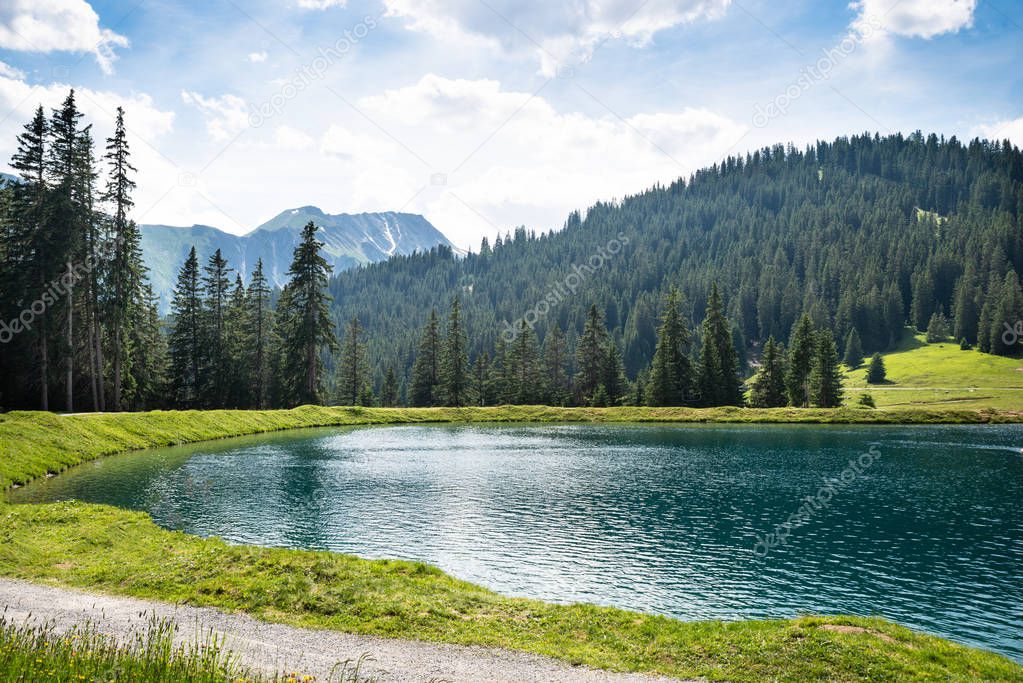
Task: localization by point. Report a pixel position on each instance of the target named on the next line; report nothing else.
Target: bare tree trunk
(92, 367)
(44, 360)
(69, 381)
(98, 337)
(118, 353)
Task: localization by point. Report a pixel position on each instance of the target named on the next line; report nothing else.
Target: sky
(484, 115)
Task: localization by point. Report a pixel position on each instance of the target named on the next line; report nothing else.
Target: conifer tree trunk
(69, 380)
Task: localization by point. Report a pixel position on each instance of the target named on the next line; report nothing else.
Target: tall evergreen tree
(454, 361)
(591, 356)
(524, 368)
(186, 336)
(800, 362)
(1008, 314)
(671, 374)
(216, 369)
(719, 366)
(353, 375)
(389, 390)
(482, 381)
(556, 389)
(304, 321)
(33, 258)
(259, 322)
(126, 273)
(825, 376)
(68, 219)
(853, 350)
(767, 389)
(424, 390)
(615, 385)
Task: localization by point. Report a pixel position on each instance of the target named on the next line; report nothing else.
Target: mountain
(862, 232)
(349, 240)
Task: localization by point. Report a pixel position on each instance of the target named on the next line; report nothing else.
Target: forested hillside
(863, 232)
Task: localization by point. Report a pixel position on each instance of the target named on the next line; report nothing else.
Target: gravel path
(274, 647)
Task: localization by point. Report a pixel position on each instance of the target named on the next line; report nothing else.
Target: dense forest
(772, 267)
(864, 234)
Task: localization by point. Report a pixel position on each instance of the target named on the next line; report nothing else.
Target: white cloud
(561, 33)
(8, 71)
(289, 138)
(320, 4)
(258, 57)
(57, 25)
(915, 18)
(225, 116)
(148, 128)
(1011, 129)
(534, 167)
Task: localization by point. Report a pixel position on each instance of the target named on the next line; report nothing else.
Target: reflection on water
(657, 519)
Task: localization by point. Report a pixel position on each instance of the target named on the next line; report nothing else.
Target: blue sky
(487, 114)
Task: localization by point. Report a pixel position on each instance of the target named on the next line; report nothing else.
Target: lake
(920, 524)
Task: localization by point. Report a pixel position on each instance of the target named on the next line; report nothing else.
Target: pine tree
(876, 372)
(853, 350)
(33, 258)
(237, 342)
(259, 322)
(556, 388)
(147, 373)
(353, 371)
(719, 367)
(767, 389)
(304, 322)
(937, 327)
(591, 356)
(1008, 314)
(482, 382)
(454, 361)
(825, 376)
(800, 361)
(671, 374)
(424, 391)
(127, 271)
(186, 336)
(524, 368)
(68, 219)
(615, 385)
(216, 362)
(389, 390)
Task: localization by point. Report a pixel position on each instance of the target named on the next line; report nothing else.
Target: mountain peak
(349, 240)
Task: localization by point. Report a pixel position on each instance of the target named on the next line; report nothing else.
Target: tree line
(78, 321)
(749, 272)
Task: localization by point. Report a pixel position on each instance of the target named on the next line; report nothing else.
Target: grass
(41, 654)
(121, 552)
(922, 375)
(34, 444)
(38, 653)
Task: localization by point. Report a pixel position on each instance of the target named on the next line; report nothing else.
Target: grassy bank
(941, 375)
(34, 444)
(122, 552)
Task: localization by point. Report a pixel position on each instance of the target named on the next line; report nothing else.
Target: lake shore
(119, 552)
(35, 444)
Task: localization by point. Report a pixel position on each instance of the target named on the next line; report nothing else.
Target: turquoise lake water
(926, 531)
